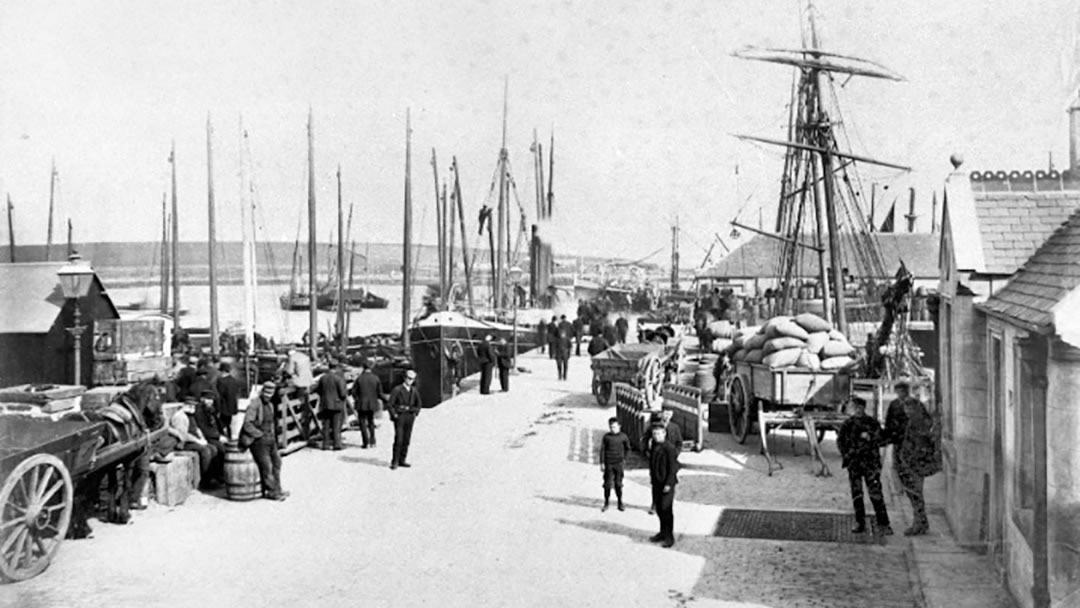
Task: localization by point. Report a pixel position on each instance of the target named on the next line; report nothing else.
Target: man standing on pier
(332, 393)
(404, 407)
(298, 368)
(622, 328)
(553, 336)
(228, 389)
(562, 346)
(367, 394)
(505, 361)
(663, 467)
(258, 432)
(485, 353)
(909, 427)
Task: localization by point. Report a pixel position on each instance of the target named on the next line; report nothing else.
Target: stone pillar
(1063, 472)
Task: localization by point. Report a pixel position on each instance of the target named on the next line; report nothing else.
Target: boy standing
(858, 440)
(613, 450)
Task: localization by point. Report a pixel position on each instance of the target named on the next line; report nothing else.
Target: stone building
(1009, 376)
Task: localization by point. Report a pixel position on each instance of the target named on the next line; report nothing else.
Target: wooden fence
(688, 412)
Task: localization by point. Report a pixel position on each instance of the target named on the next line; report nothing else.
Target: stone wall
(1063, 474)
(966, 402)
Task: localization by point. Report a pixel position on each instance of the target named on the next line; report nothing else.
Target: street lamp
(515, 279)
(75, 279)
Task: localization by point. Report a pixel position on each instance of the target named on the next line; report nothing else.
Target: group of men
(909, 428)
(494, 355)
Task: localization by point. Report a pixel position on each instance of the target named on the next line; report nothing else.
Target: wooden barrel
(242, 480)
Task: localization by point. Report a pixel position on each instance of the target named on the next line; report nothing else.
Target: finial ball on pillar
(956, 159)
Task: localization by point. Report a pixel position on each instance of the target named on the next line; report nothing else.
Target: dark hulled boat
(443, 336)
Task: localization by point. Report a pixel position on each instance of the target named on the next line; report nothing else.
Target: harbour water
(271, 321)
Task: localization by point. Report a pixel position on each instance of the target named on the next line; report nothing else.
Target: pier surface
(502, 508)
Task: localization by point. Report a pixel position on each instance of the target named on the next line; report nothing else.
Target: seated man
(187, 436)
(210, 425)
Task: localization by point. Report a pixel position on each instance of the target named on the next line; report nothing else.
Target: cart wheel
(738, 410)
(603, 393)
(35, 510)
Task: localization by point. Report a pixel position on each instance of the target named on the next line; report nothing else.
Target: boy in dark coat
(613, 450)
(662, 474)
(858, 440)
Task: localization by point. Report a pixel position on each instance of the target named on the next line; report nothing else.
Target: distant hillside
(140, 263)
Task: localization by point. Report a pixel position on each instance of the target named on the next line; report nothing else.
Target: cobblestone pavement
(501, 508)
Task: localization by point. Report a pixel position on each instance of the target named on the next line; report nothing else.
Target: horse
(130, 417)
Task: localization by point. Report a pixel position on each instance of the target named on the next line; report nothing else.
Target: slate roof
(30, 297)
(760, 256)
(1046, 278)
(1014, 224)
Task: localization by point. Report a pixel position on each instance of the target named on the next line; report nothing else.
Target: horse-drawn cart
(786, 398)
(41, 463)
(642, 366)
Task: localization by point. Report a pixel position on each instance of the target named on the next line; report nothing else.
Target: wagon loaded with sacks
(791, 372)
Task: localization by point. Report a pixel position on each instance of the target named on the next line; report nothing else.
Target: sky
(642, 99)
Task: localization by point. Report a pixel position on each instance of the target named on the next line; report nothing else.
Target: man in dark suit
(486, 354)
(910, 428)
(367, 395)
(332, 393)
(663, 467)
(228, 389)
(562, 346)
(622, 328)
(505, 361)
(553, 336)
(404, 407)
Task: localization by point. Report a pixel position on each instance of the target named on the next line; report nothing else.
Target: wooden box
(174, 481)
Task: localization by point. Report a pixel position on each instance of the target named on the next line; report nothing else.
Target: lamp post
(75, 279)
(514, 274)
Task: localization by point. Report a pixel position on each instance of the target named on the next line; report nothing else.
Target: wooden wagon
(41, 462)
(639, 365)
(786, 398)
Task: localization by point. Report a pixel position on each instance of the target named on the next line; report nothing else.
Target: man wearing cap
(188, 437)
(367, 394)
(228, 389)
(663, 467)
(332, 393)
(563, 336)
(485, 353)
(404, 407)
(672, 436)
(209, 423)
(505, 361)
(298, 369)
(259, 432)
(909, 427)
(859, 440)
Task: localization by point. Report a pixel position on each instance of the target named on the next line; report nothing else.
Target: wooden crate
(174, 481)
(688, 412)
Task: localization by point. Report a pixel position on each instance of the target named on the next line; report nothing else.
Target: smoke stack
(1074, 136)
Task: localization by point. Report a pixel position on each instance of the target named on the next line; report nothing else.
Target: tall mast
(211, 237)
(464, 240)
(448, 219)
(824, 142)
(551, 176)
(440, 246)
(245, 231)
(175, 243)
(352, 263)
(444, 220)
(502, 214)
(164, 255)
(70, 246)
(342, 338)
(313, 318)
(11, 229)
(406, 292)
(52, 206)
(675, 254)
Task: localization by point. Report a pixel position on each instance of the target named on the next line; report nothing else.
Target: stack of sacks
(722, 333)
(805, 341)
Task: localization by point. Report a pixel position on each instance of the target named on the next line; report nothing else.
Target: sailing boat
(820, 210)
(444, 343)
